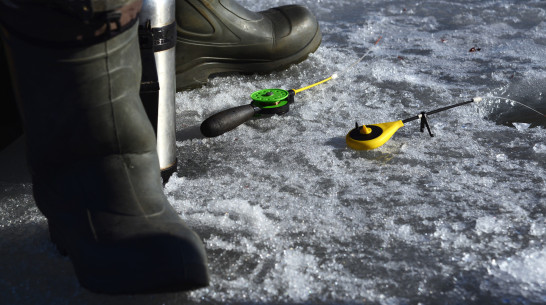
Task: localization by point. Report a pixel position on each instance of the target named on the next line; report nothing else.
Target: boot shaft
(88, 138)
(85, 96)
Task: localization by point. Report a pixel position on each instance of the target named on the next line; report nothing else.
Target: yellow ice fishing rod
(368, 137)
(264, 102)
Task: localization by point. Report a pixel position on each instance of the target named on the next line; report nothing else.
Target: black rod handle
(227, 120)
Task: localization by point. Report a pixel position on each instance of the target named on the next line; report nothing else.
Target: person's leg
(92, 153)
(218, 36)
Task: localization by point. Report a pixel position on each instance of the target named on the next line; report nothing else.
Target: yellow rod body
(386, 130)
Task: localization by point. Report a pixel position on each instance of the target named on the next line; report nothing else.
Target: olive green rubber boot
(95, 170)
(219, 36)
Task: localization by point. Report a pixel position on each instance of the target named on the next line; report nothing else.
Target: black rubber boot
(95, 168)
(11, 126)
(218, 36)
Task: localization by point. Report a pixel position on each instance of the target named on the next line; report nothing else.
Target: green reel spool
(272, 101)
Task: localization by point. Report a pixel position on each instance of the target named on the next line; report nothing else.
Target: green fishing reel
(272, 101)
(264, 102)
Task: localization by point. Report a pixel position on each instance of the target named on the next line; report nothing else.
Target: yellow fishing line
(315, 84)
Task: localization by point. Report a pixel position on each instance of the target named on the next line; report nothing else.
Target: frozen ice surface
(290, 215)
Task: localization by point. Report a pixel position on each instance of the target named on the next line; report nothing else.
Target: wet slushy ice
(290, 215)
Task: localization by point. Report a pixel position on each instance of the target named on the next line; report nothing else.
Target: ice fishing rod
(372, 136)
(266, 102)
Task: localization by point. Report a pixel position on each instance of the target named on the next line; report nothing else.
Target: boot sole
(198, 75)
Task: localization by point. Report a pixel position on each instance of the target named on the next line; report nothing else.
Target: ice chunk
(539, 148)
(490, 224)
(501, 157)
(521, 126)
(522, 274)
